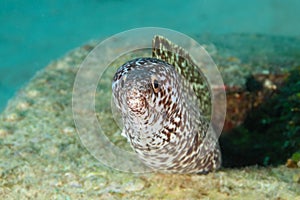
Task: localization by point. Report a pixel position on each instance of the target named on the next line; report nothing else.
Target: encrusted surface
(41, 156)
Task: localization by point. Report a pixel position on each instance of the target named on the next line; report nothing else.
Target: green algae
(296, 156)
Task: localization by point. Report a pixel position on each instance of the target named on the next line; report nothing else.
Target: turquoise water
(33, 33)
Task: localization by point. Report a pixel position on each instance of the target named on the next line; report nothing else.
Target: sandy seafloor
(41, 156)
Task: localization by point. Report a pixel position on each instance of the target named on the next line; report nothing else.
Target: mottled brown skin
(162, 121)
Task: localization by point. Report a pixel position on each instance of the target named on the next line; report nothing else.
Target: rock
(42, 157)
(291, 164)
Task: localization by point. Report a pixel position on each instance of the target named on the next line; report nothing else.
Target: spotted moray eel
(165, 103)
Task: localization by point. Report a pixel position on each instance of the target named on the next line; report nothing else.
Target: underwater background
(255, 44)
(35, 32)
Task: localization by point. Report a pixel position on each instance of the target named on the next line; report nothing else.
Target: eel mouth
(136, 101)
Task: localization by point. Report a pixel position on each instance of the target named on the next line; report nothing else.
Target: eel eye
(155, 84)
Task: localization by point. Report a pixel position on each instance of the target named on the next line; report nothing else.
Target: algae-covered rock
(270, 133)
(41, 155)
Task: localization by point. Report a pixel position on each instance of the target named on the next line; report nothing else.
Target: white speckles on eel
(165, 106)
